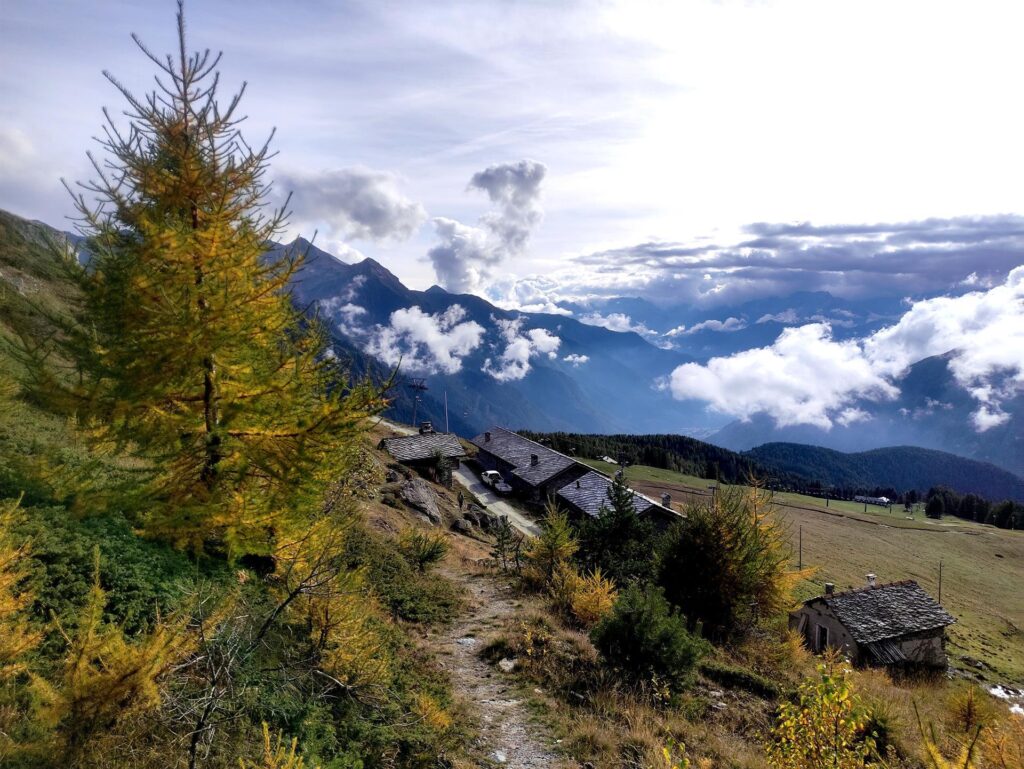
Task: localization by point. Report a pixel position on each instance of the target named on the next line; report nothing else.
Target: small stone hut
(896, 624)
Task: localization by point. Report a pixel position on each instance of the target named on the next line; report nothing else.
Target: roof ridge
(866, 588)
(535, 443)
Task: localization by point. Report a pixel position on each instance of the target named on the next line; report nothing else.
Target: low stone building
(433, 455)
(535, 472)
(896, 624)
(589, 493)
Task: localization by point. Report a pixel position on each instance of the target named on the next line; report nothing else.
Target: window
(822, 639)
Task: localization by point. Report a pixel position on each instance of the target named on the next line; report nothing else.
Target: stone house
(535, 472)
(433, 455)
(588, 494)
(896, 624)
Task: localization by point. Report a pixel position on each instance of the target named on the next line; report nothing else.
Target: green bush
(726, 566)
(423, 550)
(645, 638)
(409, 594)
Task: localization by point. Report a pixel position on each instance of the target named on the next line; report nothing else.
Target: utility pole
(446, 411)
(800, 566)
(940, 580)
(417, 386)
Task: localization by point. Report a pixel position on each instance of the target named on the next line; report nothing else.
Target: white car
(493, 479)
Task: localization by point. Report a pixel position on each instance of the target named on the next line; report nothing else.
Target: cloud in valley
(615, 321)
(425, 343)
(807, 377)
(358, 202)
(729, 324)
(514, 361)
(466, 255)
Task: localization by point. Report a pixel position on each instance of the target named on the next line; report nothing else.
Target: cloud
(426, 343)
(343, 313)
(534, 294)
(729, 324)
(806, 377)
(850, 261)
(576, 360)
(616, 321)
(515, 188)
(356, 202)
(465, 255)
(787, 317)
(514, 362)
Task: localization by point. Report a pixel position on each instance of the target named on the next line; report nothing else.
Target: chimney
(666, 501)
(534, 460)
(577, 484)
(871, 580)
(829, 588)
(487, 436)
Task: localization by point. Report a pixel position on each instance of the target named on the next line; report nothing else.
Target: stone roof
(416, 448)
(883, 612)
(590, 494)
(517, 451)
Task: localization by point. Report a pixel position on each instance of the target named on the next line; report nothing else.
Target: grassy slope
(983, 567)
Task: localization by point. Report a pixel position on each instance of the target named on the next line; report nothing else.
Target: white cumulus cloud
(355, 202)
(466, 254)
(576, 360)
(426, 343)
(729, 324)
(514, 361)
(616, 321)
(806, 377)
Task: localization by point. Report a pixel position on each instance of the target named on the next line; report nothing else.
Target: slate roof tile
(517, 451)
(882, 612)
(590, 493)
(414, 448)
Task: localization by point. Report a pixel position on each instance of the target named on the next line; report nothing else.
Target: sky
(534, 152)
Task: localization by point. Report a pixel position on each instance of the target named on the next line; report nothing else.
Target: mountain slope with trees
(898, 467)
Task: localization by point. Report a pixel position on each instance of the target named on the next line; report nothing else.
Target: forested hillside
(670, 452)
(902, 468)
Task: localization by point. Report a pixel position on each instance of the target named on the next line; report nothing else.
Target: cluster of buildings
(537, 472)
(892, 625)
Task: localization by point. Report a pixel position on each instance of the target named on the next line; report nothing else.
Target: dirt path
(508, 735)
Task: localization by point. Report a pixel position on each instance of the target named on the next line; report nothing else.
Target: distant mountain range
(551, 372)
(900, 467)
(595, 380)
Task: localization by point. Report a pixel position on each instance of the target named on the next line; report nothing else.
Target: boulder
(483, 518)
(462, 526)
(471, 517)
(417, 494)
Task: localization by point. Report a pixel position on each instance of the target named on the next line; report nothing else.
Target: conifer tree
(16, 637)
(187, 351)
(619, 542)
(105, 676)
(554, 545)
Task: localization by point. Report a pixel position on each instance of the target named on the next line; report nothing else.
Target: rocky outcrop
(418, 494)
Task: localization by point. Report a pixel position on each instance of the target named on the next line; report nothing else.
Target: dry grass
(981, 566)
